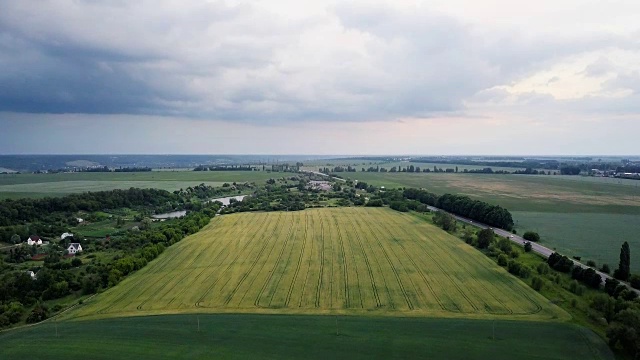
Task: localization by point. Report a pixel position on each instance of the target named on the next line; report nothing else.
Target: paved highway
(542, 250)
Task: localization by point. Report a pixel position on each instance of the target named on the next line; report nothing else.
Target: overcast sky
(320, 77)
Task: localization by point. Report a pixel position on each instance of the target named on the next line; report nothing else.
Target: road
(535, 247)
(323, 174)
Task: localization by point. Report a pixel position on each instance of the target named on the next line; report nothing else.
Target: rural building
(80, 220)
(34, 240)
(65, 235)
(320, 185)
(32, 274)
(74, 248)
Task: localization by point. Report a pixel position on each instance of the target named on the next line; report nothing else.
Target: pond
(170, 215)
(225, 200)
(176, 214)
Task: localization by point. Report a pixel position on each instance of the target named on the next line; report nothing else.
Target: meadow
(234, 336)
(40, 185)
(323, 261)
(581, 216)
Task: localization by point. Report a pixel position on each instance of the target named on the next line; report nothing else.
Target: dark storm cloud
(212, 60)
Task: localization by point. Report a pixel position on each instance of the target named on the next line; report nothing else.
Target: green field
(583, 216)
(300, 337)
(40, 185)
(323, 261)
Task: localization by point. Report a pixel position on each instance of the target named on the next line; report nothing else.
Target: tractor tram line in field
(347, 301)
(311, 236)
(380, 273)
(224, 250)
(463, 265)
(265, 285)
(332, 257)
(317, 261)
(374, 287)
(248, 271)
(231, 263)
(299, 263)
(348, 238)
(508, 283)
(214, 261)
(417, 268)
(186, 274)
(392, 266)
(264, 234)
(181, 255)
(321, 271)
(283, 271)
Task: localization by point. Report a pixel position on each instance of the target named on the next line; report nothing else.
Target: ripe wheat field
(323, 261)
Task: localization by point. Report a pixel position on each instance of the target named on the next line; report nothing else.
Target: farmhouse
(65, 235)
(34, 240)
(320, 185)
(74, 248)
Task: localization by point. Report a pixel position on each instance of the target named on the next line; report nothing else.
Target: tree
(605, 269)
(531, 236)
(485, 238)
(635, 281)
(624, 267)
(15, 239)
(527, 246)
(625, 330)
(445, 221)
(145, 224)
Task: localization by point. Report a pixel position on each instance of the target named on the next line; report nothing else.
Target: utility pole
(198, 317)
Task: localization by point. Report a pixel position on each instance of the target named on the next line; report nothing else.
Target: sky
(492, 77)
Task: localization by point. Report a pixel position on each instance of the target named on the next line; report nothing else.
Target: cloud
(242, 62)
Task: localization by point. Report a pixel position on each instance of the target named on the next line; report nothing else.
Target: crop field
(40, 185)
(238, 336)
(322, 261)
(582, 216)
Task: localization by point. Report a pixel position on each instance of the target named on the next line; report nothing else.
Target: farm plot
(342, 261)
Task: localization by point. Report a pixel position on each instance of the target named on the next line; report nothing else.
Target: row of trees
(13, 212)
(493, 215)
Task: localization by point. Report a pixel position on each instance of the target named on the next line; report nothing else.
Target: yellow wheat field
(323, 261)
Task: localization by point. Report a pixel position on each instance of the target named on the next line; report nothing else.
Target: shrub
(543, 269)
(576, 288)
(531, 236)
(591, 263)
(502, 260)
(528, 247)
(605, 268)
(635, 281)
(537, 283)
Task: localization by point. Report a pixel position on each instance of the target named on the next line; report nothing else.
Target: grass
(39, 185)
(323, 261)
(595, 237)
(581, 216)
(300, 337)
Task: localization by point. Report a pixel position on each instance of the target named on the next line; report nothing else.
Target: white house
(74, 248)
(32, 274)
(34, 240)
(80, 220)
(65, 235)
